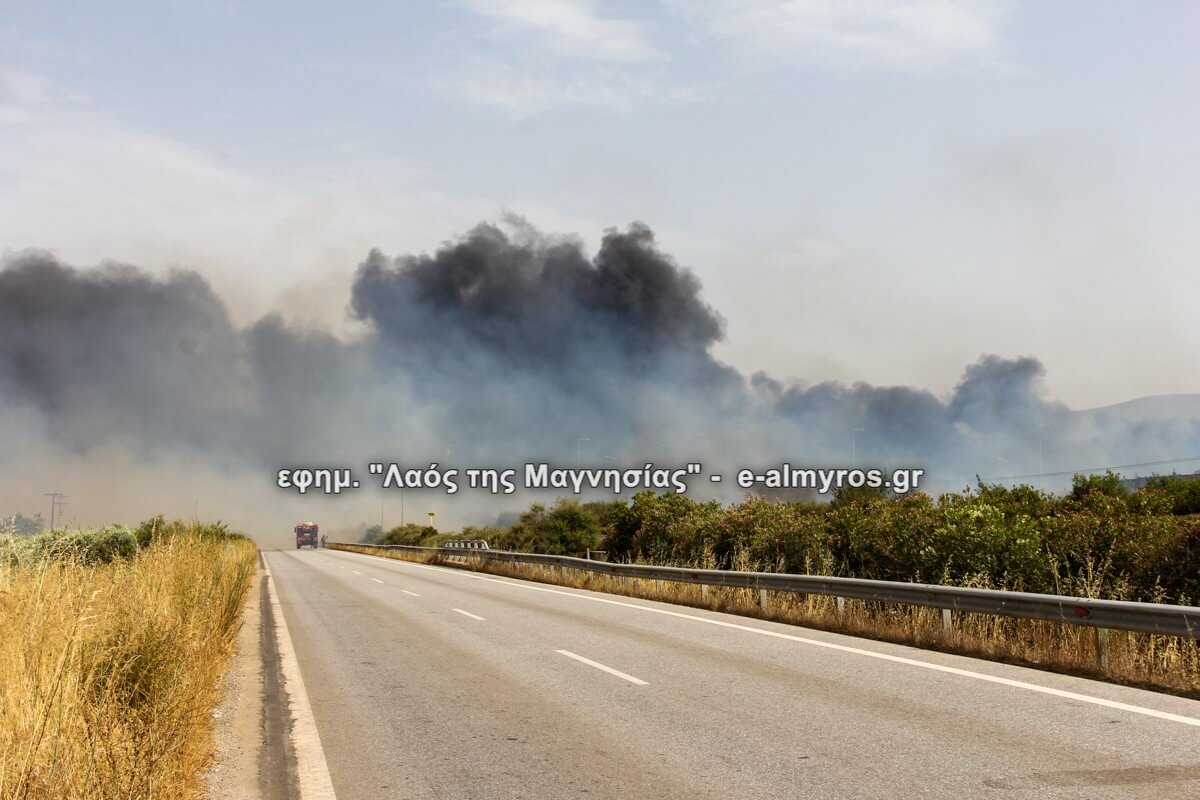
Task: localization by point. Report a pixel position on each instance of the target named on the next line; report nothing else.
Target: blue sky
(875, 191)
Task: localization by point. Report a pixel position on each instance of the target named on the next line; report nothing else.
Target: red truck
(306, 535)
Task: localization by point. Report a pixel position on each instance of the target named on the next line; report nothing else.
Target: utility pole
(57, 501)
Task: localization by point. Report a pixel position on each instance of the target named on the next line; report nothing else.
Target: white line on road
(599, 666)
(912, 662)
(377, 580)
(406, 591)
(315, 783)
(356, 572)
(467, 614)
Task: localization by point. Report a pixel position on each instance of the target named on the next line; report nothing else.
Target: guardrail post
(762, 599)
(947, 620)
(704, 592)
(658, 585)
(1102, 647)
(841, 606)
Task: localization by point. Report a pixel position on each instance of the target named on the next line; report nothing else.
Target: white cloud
(22, 86)
(93, 189)
(570, 28)
(540, 55)
(528, 89)
(913, 34)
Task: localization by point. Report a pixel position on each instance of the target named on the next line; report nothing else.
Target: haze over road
(429, 682)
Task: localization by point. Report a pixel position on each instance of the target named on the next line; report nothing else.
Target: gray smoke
(539, 304)
(502, 346)
(114, 353)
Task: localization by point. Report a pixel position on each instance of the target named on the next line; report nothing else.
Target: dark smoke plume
(503, 345)
(538, 303)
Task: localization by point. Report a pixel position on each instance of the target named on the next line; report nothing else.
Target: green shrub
(567, 528)
(1099, 541)
(1107, 484)
(89, 546)
(159, 529)
(1182, 492)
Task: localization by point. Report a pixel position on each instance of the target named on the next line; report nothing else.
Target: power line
(1100, 469)
(1065, 473)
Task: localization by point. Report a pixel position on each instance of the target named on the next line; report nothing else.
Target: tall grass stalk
(109, 673)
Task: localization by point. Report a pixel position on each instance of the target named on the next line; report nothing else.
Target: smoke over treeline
(504, 345)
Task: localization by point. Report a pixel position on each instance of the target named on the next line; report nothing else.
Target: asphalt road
(429, 682)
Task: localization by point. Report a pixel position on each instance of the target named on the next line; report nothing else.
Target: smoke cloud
(502, 346)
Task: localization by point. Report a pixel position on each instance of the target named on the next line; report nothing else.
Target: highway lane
(430, 682)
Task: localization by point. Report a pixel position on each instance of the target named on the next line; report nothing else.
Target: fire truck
(306, 535)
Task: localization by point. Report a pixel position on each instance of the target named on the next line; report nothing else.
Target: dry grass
(109, 674)
(1165, 663)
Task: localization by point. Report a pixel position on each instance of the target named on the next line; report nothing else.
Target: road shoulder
(239, 731)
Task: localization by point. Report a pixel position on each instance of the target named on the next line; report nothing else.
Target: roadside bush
(1098, 541)
(409, 534)
(1108, 484)
(89, 546)
(567, 528)
(159, 529)
(655, 530)
(1181, 491)
(886, 539)
(775, 537)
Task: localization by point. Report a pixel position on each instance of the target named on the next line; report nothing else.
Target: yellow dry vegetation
(110, 672)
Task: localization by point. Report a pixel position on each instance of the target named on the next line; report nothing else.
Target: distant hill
(1155, 408)
(1177, 413)
(1136, 483)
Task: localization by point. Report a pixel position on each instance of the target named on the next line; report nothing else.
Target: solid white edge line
(468, 614)
(377, 580)
(603, 668)
(912, 662)
(311, 767)
(406, 591)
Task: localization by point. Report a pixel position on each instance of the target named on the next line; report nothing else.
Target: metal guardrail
(1170, 620)
(462, 544)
